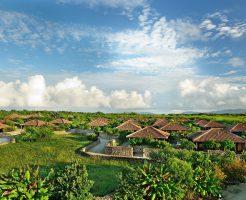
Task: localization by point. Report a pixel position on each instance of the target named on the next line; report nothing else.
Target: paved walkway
(235, 192)
(100, 147)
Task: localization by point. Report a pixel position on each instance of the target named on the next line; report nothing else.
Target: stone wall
(147, 151)
(119, 151)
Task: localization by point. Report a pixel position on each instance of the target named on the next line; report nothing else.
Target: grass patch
(57, 152)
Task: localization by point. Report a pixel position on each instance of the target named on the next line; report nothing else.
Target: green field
(57, 152)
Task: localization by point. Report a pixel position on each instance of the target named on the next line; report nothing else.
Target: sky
(160, 56)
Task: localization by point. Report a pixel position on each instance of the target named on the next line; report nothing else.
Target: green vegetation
(56, 152)
(172, 174)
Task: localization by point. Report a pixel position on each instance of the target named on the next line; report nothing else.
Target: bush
(72, 183)
(32, 134)
(211, 144)
(235, 171)
(186, 144)
(149, 142)
(122, 136)
(24, 184)
(92, 137)
(227, 145)
(10, 128)
(243, 156)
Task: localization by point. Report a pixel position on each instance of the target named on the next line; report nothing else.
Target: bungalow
(14, 116)
(4, 121)
(238, 128)
(35, 122)
(217, 134)
(60, 121)
(149, 132)
(129, 125)
(201, 122)
(174, 127)
(160, 123)
(99, 122)
(32, 116)
(3, 126)
(213, 124)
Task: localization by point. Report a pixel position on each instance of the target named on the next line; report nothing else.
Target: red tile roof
(14, 116)
(2, 126)
(60, 121)
(129, 126)
(4, 121)
(160, 123)
(202, 122)
(174, 127)
(238, 128)
(35, 122)
(99, 122)
(149, 132)
(213, 124)
(32, 116)
(217, 134)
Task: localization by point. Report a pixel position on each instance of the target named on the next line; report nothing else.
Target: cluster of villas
(161, 130)
(31, 120)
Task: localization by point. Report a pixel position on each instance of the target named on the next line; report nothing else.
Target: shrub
(35, 133)
(243, 156)
(148, 182)
(227, 145)
(211, 144)
(10, 128)
(92, 137)
(122, 136)
(24, 184)
(186, 144)
(235, 171)
(72, 183)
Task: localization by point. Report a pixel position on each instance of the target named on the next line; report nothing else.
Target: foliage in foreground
(174, 180)
(24, 184)
(72, 183)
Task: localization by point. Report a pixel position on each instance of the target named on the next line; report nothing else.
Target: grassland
(57, 152)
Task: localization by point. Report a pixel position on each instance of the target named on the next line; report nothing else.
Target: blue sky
(123, 55)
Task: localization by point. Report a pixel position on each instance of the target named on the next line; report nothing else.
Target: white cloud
(125, 4)
(236, 62)
(218, 25)
(230, 72)
(153, 47)
(71, 92)
(21, 29)
(211, 93)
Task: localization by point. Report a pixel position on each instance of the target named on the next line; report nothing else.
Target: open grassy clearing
(58, 151)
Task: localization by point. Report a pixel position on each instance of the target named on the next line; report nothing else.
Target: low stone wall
(147, 151)
(110, 157)
(119, 151)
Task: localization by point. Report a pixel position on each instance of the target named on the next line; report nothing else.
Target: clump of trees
(27, 183)
(33, 134)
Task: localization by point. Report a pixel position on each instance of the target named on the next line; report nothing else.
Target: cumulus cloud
(236, 62)
(213, 93)
(69, 93)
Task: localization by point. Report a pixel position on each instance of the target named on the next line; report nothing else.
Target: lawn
(58, 151)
